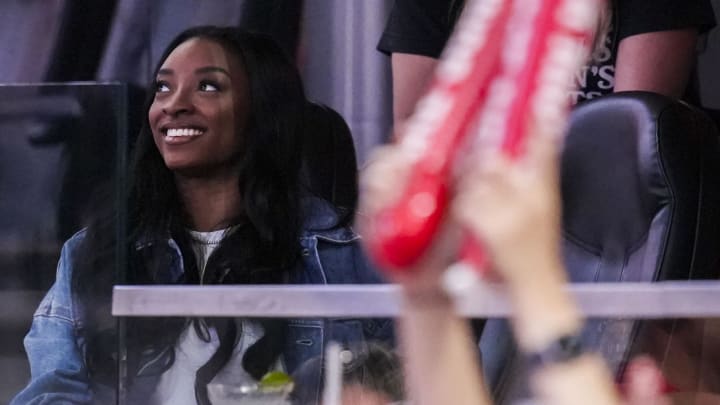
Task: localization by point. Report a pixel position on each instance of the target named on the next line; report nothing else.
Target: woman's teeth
(183, 132)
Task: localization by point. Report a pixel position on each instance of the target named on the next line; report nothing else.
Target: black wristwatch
(562, 350)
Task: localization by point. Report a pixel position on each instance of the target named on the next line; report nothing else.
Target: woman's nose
(179, 103)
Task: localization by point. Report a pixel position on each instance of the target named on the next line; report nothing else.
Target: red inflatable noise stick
(518, 65)
(534, 79)
(436, 132)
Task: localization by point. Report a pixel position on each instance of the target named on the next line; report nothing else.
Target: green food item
(276, 381)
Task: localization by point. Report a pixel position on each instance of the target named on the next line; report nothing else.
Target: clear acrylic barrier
(61, 149)
(676, 323)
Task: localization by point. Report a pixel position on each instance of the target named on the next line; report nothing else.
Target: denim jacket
(55, 344)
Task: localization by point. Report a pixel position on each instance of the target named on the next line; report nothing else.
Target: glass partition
(62, 147)
(675, 323)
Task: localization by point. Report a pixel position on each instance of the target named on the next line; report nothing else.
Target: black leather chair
(640, 180)
(641, 195)
(641, 190)
(330, 164)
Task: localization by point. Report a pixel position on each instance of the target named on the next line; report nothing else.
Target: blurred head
(373, 375)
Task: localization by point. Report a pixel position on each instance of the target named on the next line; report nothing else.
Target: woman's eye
(209, 86)
(161, 87)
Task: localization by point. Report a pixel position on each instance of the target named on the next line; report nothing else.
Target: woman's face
(200, 109)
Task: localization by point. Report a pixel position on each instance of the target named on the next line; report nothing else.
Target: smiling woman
(215, 197)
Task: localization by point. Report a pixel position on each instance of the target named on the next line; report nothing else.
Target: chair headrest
(628, 156)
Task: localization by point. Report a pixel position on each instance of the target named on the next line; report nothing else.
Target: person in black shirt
(649, 45)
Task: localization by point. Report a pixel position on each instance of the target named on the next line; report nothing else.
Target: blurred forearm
(441, 358)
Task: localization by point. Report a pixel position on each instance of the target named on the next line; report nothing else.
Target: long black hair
(267, 233)
(270, 161)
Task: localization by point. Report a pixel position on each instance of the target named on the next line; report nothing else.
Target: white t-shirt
(177, 384)
(203, 245)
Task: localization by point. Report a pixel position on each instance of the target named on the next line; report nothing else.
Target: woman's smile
(181, 134)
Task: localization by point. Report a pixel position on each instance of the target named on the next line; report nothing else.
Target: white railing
(695, 299)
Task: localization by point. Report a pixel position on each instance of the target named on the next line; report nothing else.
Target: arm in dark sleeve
(642, 16)
(657, 43)
(419, 27)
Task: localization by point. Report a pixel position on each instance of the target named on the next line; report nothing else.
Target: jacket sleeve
(58, 373)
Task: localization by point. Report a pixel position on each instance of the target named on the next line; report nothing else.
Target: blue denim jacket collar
(321, 220)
